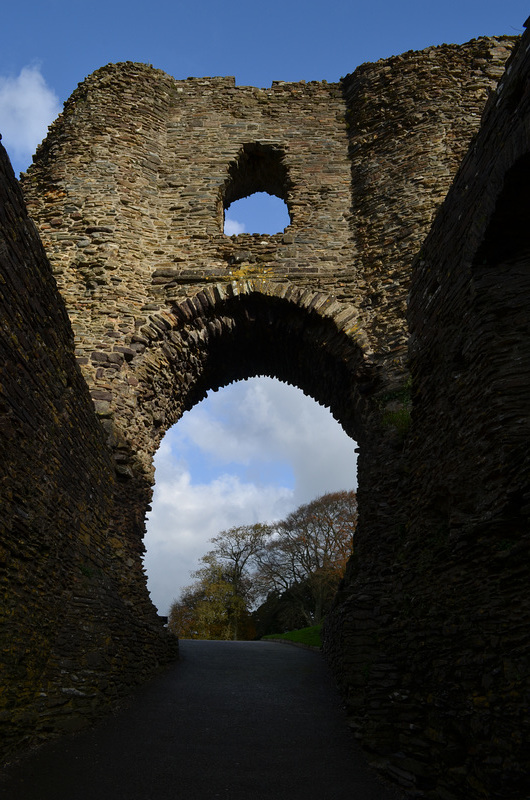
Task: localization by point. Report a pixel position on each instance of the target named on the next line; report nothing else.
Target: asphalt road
(231, 720)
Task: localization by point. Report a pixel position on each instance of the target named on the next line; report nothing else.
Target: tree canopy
(293, 566)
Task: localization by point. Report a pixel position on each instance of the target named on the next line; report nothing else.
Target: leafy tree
(217, 606)
(181, 620)
(296, 564)
(237, 549)
(307, 553)
(211, 608)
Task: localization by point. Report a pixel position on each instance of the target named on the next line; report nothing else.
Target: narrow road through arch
(231, 720)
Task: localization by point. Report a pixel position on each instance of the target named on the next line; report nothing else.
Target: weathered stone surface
(428, 638)
(140, 166)
(431, 642)
(71, 637)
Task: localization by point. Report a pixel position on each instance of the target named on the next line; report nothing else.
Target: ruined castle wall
(435, 643)
(128, 194)
(470, 348)
(67, 630)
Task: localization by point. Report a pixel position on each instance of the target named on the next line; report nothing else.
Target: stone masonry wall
(129, 187)
(70, 643)
(431, 647)
(470, 359)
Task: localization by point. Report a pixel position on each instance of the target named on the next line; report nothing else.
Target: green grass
(309, 636)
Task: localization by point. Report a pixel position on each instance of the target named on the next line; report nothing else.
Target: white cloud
(186, 516)
(27, 107)
(268, 420)
(248, 423)
(232, 227)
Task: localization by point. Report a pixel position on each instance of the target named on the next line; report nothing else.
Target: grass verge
(309, 636)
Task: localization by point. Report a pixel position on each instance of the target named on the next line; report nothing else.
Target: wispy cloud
(187, 515)
(27, 107)
(232, 227)
(266, 420)
(209, 478)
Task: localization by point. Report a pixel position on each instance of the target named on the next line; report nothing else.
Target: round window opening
(260, 212)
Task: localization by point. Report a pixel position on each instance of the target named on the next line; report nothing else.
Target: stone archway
(238, 330)
(232, 331)
(126, 194)
(235, 331)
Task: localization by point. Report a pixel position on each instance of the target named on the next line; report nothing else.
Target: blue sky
(257, 449)
(256, 42)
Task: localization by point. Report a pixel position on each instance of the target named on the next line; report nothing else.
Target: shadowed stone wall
(77, 629)
(128, 193)
(430, 642)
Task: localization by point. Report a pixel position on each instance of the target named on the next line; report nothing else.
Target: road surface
(230, 720)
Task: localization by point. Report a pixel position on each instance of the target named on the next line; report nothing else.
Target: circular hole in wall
(259, 213)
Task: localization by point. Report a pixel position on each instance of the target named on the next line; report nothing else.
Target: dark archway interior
(501, 284)
(506, 237)
(501, 270)
(258, 168)
(255, 335)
